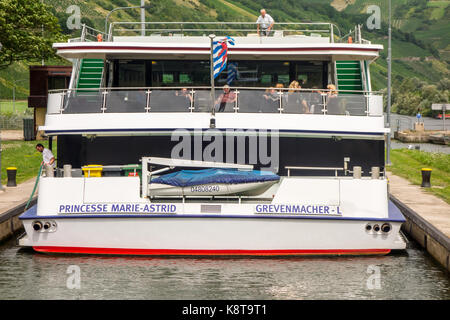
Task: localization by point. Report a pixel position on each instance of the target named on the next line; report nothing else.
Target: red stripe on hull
(207, 50)
(177, 252)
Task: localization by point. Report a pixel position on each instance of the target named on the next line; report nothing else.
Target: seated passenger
(184, 93)
(333, 105)
(332, 90)
(296, 99)
(271, 95)
(226, 98)
(316, 100)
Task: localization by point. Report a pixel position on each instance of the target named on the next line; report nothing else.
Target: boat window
(185, 73)
(310, 74)
(255, 74)
(131, 73)
(180, 73)
(55, 83)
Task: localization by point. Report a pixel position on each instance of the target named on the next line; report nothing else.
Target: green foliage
(413, 95)
(21, 31)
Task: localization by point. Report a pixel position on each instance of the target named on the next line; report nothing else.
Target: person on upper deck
(295, 99)
(264, 23)
(333, 104)
(332, 90)
(226, 98)
(186, 96)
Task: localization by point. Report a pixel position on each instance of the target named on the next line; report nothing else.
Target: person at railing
(295, 100)
(316, 100)
(332, 90)
(264, 23)
(186, 96)
(271, 100)
(333, 105)
(226, 98)
(271, 95)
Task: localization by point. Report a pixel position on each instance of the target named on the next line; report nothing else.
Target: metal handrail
(364, 105)
(182, 27)
(235, 30)
(108, 34)
(219, 22)
(363, 92)
(335, 169)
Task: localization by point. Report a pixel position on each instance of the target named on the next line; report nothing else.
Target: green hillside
(421, 45)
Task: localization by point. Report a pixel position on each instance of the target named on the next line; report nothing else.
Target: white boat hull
(305, 216)
(199, 236)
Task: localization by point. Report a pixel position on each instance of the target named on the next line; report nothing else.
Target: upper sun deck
(189, 40)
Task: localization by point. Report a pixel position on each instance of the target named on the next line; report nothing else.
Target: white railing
(199, 99)
(219, 28)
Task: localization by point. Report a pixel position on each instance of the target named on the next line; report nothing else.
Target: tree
(27, 31)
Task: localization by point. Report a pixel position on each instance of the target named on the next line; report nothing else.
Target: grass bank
(24, 156)
(20, 106)
(408, 164)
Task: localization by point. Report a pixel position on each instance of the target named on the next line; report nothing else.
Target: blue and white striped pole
(213, 120)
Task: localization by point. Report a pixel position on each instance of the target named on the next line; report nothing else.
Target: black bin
(11, 172)
(426, 177)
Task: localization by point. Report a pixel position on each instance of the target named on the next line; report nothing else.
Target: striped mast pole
(213, 120)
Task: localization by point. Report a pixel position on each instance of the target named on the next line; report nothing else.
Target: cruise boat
(152, 160)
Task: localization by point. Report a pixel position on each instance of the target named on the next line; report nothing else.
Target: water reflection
(411, 275)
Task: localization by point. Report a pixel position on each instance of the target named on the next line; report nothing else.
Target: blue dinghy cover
(185, 178)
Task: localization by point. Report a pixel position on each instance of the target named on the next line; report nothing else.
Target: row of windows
(174, 73)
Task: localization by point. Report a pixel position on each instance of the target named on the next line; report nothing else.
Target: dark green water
(408, 275)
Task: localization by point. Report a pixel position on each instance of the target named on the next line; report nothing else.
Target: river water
(410, 274)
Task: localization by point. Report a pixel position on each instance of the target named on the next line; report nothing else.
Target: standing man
(47, 156)
(264, 23)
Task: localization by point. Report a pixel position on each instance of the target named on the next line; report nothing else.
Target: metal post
(143, 17)
(1, 187)
(14, 97)
(444, 109)
(43, 60)
(212, 36)
(388, 111)
(332, 33)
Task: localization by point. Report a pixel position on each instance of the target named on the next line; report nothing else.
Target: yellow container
(92, 170)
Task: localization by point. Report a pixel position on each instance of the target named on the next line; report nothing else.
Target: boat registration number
(214, 188)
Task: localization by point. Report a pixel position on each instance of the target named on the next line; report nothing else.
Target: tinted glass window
(55, 83)
(131, 73)
(180, 73)
(309, 74)
(255, 74)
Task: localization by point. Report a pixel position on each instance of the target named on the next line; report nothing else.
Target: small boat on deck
(212, 182)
